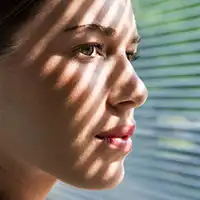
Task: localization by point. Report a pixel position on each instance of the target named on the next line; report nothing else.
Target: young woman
(68, 91)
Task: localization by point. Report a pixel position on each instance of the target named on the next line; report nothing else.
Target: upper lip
(122, 131)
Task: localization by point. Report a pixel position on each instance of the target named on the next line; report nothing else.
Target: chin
(100, 184)
(106, 179)
(106, 185)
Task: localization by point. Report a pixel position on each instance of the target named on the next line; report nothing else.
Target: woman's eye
(132, 56)
(90, 50)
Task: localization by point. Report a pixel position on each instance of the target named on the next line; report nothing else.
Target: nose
(128, 91)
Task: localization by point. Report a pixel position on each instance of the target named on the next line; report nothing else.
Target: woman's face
(69, 80)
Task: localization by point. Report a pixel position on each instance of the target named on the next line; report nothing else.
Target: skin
(58, 92)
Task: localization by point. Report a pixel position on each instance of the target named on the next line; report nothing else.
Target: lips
(124, 132)
(118, 137)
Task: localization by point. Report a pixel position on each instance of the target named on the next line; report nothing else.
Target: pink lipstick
(119, 137)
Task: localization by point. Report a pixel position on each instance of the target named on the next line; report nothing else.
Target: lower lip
(121, 144)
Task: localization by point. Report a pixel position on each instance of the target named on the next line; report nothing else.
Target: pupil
(87, 50)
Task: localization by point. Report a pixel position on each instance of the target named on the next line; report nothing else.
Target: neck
(21, 182)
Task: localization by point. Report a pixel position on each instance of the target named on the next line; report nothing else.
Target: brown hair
(13, 13)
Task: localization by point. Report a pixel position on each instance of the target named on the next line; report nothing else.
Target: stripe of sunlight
(108, 16)
(94, 168)
(40, 46)
(75, 89)
(91, 148)
(51, 65)
(72, 10)
(111, 170)
(86, 106)
(123, 75)
(69, 70)
(80, 115)
(96, 165)
(82, 84)
(83, 158)
(94, 121)
(98, 115)
(99, 84)
(43, 16)
(107, 19)
(129, 34)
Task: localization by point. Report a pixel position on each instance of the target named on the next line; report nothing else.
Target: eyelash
(99, 49)
(135, 56)
(95, 46)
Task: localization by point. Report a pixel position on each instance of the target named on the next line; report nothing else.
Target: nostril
(121, 107)
(126, 105)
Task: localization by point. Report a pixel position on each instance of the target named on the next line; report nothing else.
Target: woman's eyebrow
(106, 31)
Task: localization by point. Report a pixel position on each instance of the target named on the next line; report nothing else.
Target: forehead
(55, 15)
(116, 14)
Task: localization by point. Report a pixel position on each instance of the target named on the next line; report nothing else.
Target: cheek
(83, 81)
(51, 108)
(81, 91)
